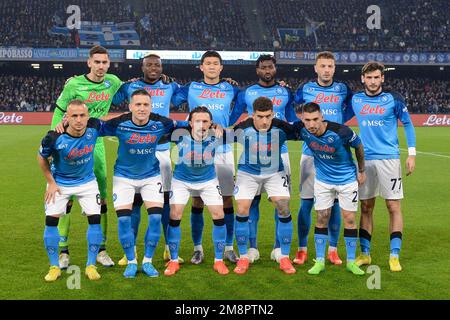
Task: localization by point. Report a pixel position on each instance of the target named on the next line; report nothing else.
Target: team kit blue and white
(195, 176)
(72, 168)
(378, 117)
(334, 103)
(162, 95)
(283, 108)
(219, 99)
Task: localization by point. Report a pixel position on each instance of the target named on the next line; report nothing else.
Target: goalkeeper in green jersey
(96, 89)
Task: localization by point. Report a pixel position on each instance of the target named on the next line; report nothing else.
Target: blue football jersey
(262, 149)
(195, 158)
(136, 157)
(73, 157)
(281, 97)
(334, 102)
(331, 151)
(218, 98)
(160, 92)
(377, 119)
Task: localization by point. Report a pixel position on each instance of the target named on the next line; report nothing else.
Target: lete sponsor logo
(437, 120)
(10, 118)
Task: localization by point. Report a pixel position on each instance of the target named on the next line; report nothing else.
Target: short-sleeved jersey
(160, 92)
(195, 158)
(281, 97)
(377, 119)
(333, 101)
(73, 157)
(262, 149)
(218, 98)
(97, 96)
(136, 158)
(333, 158)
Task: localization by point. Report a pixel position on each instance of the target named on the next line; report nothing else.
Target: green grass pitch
(425, 254)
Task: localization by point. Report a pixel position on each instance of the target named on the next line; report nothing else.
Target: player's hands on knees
(361, 178)
(410, 165)
(50, 194)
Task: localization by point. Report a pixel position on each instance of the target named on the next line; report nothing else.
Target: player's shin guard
(51, 239)
(136, 215)
(364, 241)
(153, 231)
(94, 238)
(253, 221)
(396, 243)
(174, 238)
(229, 222)
(242, 232)
(63, 229)
(334, 224)
(197, 224)
(165, 216)
(126, 237)
(284, 231)
(350, 236)
(320, 240)
(219, 234)
(104, 223)
(304, 222)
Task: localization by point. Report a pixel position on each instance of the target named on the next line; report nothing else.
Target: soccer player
(71, 174)
(261, 167)
(195, 174)
(377, 112)
(333, 98)
(217, 96)
(96, 89)
(282, 100)
(336, 176)
(161, 93)
(137, 169)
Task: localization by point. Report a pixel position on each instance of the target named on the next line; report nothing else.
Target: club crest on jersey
(279, 91)
(89, 135)
(337, 88)
(222, 86)
(330, 139)
(310, 89)
(236, 190)
(384, 98)
(114, 197)
(107, 84)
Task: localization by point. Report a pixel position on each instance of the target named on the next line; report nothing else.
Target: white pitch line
(428, 153)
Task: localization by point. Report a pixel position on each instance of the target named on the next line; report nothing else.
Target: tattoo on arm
(359, 152)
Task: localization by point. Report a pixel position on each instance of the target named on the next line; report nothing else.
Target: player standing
(378, 112)
(161, 93)
(71, 174)
(282, 100)
(261, 167)
(333, 98)
(96, 89)
(217, 96)
(336, 176)
(195, 175)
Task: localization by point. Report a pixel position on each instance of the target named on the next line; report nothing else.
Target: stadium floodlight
(345, 71)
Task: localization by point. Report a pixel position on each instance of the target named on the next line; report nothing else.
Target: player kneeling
(195, 176)
(71, 174)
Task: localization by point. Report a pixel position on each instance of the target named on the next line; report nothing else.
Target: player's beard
(371, 91)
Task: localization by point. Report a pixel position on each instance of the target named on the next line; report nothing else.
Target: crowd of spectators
(32, 93)
(225, 24)
(404, 25)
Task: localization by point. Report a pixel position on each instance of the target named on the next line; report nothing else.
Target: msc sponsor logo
(329, 112)
(372, 123)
